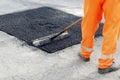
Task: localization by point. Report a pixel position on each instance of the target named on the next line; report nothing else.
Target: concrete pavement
(18, 61)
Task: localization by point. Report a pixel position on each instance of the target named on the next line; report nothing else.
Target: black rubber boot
(112, 68)
(84, 59)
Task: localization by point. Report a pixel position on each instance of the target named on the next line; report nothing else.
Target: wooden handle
(71, 25)
(68, 27)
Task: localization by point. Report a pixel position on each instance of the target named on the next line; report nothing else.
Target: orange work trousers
(93, 11)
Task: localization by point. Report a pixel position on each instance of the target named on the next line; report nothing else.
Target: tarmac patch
(31, 24)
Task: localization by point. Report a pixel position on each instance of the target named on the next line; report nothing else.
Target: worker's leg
(110, 32)
(91, 19)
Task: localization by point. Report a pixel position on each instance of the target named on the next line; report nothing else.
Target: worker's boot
(84, 59)
(112, 68)
(85, 53)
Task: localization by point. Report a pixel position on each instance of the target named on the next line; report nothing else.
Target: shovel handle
(67, 28)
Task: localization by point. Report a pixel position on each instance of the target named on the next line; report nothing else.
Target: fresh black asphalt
(31, 24)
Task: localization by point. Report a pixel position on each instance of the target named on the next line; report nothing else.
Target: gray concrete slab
(19, 61)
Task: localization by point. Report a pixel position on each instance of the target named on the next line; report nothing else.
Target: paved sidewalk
(18, 61)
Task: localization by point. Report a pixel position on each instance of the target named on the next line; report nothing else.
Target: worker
(93, 12)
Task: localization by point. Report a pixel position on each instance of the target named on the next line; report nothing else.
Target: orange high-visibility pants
(93, 10)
